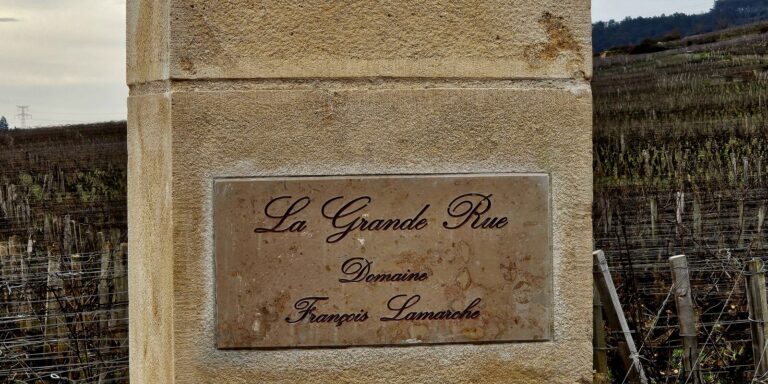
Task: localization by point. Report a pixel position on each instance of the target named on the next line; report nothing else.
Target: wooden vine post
(55, 330)
(686, 317)
(600, 356)
(758, 315)
(616, 320)
(24, 293)
(118, 317)
(6, 272)
(103, 289)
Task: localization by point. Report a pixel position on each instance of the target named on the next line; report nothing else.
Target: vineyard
(63, 286)
(681, 167)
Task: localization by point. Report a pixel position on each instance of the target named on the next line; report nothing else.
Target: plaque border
(550, 251)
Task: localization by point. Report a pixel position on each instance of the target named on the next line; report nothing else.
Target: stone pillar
(243, 88)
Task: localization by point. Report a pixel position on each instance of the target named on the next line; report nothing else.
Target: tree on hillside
(631, 31)
(3, 124)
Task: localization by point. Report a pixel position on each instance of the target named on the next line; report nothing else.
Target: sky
(604, 10)
(65, 59)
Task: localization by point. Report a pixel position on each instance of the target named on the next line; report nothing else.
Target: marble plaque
(382, 260)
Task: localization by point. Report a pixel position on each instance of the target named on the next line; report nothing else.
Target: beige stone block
(342, 39)
(148, 34)
(351, 131)
(150, 241)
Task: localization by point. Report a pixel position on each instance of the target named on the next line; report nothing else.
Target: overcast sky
(604, 10)
(66, 58)
(63, 58)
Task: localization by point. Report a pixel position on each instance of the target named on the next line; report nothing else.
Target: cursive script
(345, 219)
(281, 226)
(401, 303)
(306, 312)
(469, 209)
(358, 270)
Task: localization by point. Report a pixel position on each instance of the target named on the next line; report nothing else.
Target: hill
(633, 31)
(680, 167)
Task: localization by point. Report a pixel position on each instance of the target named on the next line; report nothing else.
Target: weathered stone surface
(435, 38)
(377, 260)
(375, 88)
(347, 132)
(387, 131)
(148, 39)
(150, 219)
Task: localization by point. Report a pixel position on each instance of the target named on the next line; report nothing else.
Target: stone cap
(243, 39)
